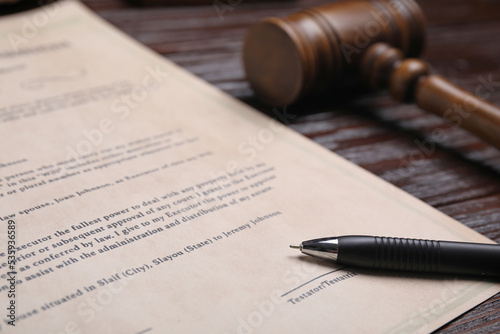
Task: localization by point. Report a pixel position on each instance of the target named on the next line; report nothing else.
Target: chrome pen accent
(326, 248)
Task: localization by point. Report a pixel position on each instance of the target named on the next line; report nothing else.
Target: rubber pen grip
(418, 255)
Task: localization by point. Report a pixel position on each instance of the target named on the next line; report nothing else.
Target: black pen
(425, 256)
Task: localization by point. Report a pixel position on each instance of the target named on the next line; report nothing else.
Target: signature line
(328, 273)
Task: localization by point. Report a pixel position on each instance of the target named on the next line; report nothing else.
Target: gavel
(378, 40)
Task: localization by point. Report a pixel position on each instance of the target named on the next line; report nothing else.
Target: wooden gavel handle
(409, 80)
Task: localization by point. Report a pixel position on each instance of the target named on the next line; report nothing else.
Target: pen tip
(295, 246)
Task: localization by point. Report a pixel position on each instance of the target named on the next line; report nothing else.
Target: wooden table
(455, 172)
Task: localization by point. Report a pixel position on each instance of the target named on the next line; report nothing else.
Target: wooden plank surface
(435, 161)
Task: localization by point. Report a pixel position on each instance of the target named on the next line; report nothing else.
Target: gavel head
(309, 51)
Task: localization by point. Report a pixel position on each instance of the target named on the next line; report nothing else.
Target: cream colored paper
(146, 200)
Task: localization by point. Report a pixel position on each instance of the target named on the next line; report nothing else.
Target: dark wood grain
(442, 165)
